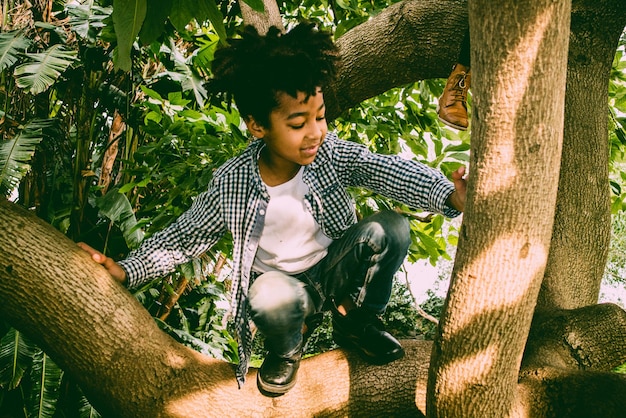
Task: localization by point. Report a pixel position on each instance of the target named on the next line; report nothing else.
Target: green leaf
(154, 23)
(87, 19)
(44, 68)
(209, 9)
(116, 207)
(128, 16)
(11, 44)
(15, 154)
(46, 381)
(187, 78)
(203, 56)
(16, 353)
(182, 13)
(85, 410)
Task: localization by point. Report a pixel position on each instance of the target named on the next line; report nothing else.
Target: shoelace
(459, 90)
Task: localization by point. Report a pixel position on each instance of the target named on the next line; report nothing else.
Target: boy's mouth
(311, 150)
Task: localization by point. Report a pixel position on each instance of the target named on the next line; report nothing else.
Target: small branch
(173, 298)
(420, 311)
(421, 218)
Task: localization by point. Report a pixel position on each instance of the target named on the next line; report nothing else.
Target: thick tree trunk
(582, 226)
(517, 125)
(127, 367)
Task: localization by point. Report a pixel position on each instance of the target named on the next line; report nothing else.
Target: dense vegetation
(109, 140)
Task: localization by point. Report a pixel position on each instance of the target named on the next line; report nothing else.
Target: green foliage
(617, 128)
(116, 208)
(11, 45)
(16, 153)
(128, 16)
(45, 385)
(43, 68)
(16, 356)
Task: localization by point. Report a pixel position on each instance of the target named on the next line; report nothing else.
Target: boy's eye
(321, 117)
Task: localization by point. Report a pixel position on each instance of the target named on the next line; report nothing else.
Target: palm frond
(11, 45)
(85, 410)
(16, 153)
(46, 380)
(16, 354)
(44, 68)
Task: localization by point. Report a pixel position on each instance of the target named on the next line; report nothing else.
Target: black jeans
(360, 265)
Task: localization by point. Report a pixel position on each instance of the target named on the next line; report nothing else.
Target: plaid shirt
(237, 200)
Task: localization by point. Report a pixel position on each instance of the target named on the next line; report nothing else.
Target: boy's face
(297, 129)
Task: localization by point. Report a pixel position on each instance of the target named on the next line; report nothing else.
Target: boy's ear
(254, 127)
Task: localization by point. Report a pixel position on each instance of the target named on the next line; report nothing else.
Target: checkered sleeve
(193, 233)
(407, 181)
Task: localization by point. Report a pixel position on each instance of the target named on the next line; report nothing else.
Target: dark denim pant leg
(363, 262)
(278, 306)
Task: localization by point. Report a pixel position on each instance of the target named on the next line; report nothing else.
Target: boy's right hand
(114, 269)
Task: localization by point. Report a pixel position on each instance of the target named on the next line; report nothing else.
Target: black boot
(277, 374)
(364, 331)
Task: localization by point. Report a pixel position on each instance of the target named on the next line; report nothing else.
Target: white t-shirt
(291, 241)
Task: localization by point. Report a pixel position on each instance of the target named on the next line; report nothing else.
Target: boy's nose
(315, 131)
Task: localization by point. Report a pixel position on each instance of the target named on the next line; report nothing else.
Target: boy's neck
(274, 174)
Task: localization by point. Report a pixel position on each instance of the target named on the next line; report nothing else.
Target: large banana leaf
(16, 354)
(128, 16)
(46, 380)
(15, 154)
(44, 68)
(11, 45)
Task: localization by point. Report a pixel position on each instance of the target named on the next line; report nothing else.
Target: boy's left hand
(458, 197)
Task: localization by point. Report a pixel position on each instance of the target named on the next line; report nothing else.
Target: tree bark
(262, 21)
(517, 126)
(127, 367)
(582, 226)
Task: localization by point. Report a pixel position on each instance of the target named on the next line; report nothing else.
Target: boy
(298, 248)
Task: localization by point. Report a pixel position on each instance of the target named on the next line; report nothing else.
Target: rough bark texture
(127, 367)
(517, 124)
(262, 21)
(588, 338)
(582, 227)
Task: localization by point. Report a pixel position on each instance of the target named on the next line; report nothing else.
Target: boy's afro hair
(254, 68)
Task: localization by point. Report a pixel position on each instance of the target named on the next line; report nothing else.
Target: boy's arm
(193, 233)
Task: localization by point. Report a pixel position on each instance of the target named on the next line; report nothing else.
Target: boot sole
(450, 124)
(377, 360)
(271, 390)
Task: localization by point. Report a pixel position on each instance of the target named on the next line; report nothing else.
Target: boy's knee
(273, 293)
(394, 229)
